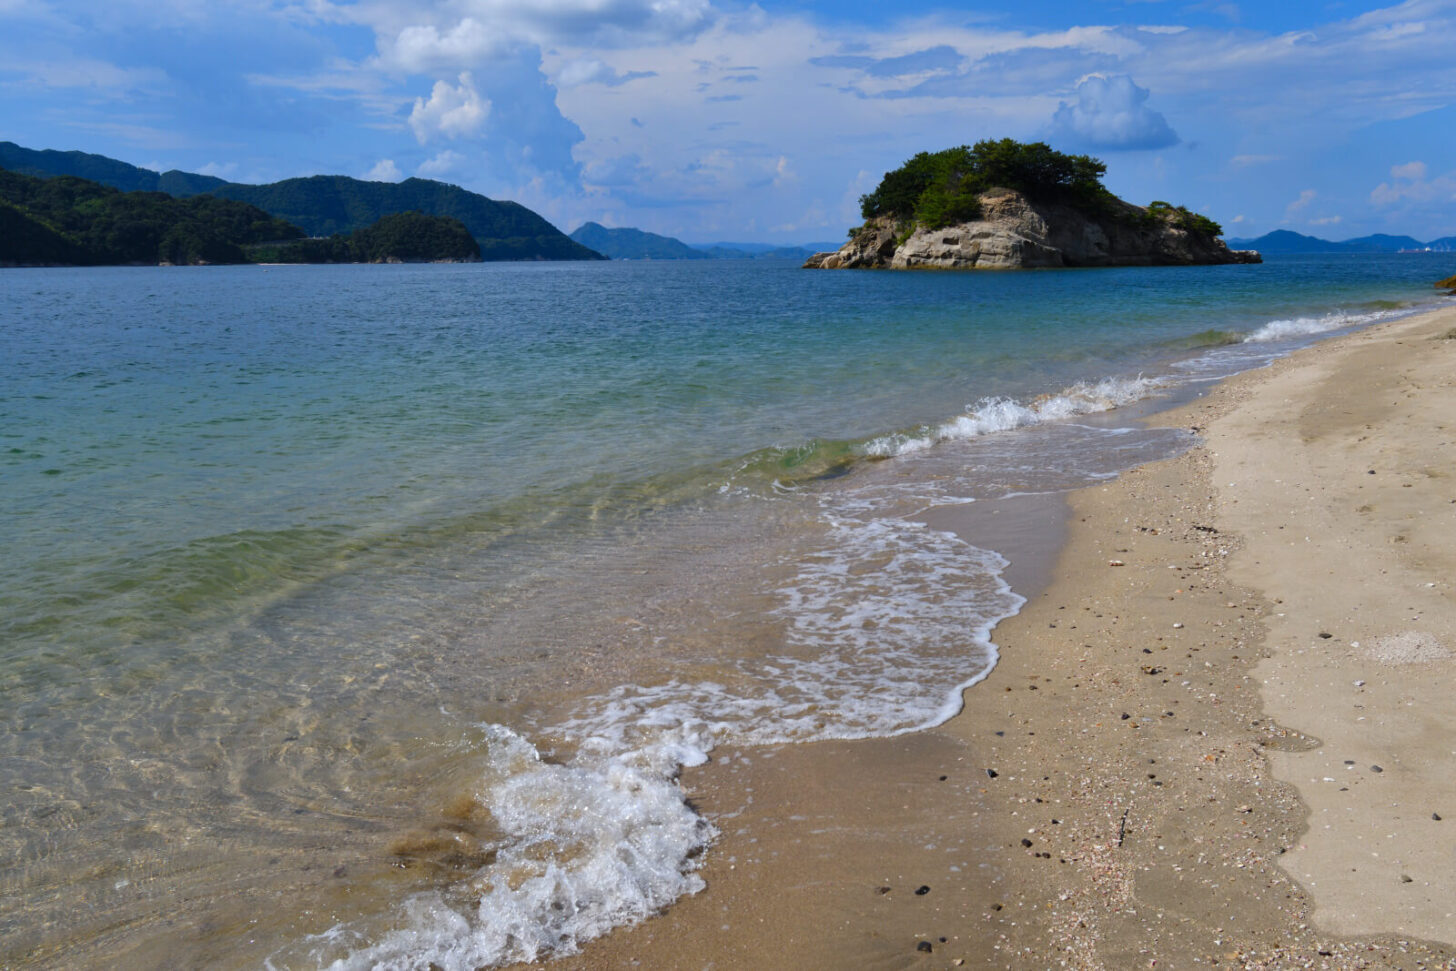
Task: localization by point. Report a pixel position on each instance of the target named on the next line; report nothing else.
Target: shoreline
(1115, 794)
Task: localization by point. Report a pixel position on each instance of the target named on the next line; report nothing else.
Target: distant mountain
(107, 171)
(324, 205)
(1382, 243)
(634, 244)
(1284, 241)
(328, 204)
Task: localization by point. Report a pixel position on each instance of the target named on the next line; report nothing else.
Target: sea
(366, 616)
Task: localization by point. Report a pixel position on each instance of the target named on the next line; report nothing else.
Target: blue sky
(728, 120)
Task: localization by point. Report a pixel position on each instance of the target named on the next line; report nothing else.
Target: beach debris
(922, 890)
(1436, 817)
(1178, 626)
(924, 946)
(992, 773)
(1116, 563)
(882, 890)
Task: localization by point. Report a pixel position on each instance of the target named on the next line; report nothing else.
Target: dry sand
(1170, 767)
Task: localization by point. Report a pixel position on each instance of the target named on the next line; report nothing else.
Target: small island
(402, 237)
(1007, 204)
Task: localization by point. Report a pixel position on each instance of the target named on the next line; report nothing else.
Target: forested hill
(329, 204)
(69, 220)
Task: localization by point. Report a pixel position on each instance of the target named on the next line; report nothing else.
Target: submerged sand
(1224, 734)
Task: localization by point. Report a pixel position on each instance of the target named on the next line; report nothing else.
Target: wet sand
(1170, 767)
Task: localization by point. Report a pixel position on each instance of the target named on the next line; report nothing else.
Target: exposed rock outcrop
(1015, 232)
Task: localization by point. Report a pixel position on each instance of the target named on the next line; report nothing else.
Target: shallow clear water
(306, 567)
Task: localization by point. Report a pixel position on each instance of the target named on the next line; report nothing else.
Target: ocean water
(363, 616)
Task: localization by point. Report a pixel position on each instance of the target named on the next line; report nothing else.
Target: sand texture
(1142, 781)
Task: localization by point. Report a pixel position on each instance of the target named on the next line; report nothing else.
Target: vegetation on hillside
(404, 237)
(76, 221)
(942, 188)
(326, 205)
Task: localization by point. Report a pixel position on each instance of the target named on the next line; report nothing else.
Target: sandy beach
(1219, 736)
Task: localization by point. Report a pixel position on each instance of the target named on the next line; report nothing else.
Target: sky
(724, 120)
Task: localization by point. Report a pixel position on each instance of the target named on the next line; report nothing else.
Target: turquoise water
(301, 561)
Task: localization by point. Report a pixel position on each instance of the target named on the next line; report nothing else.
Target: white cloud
(219, 170)
(1410, 182)
(1327, 221)
(452, 111)
(1412, 171)
(384, 171)
(1242, 161)
(1302, 203)
(1111, 112)
(442, 164)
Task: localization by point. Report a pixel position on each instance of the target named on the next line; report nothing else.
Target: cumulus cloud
(1410, 182)
(425, 38)
(1111, 112)
(384, 171)
(453, 111)
(442, 164)
(425, 48)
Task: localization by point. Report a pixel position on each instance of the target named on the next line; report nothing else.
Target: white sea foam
(992, 415)
(606, 841)
(885, 625)
(1278, 330)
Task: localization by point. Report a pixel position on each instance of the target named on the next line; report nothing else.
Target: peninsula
(1005, 205)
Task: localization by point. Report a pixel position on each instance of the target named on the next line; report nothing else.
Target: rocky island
(1005, 205)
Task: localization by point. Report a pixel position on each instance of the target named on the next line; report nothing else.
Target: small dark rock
(992, 773)
(995, 906)
(922, 890)
(1436, 817)
(882, 890)
(1125, 716)
(340, 871)
(1405, 879)
(1376, 768)
(1324, 636)
(1371, 472)
(944, 777)
(1026, 842)
(941, 939)
(924, 946)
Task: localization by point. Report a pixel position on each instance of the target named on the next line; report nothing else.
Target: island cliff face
(1014, 231)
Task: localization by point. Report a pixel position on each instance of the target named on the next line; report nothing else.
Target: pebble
(1026, 843)
(992, 773)
(1376, 768)
(1436, 817)
(1325, 636)
(924, 946)
(921, 890)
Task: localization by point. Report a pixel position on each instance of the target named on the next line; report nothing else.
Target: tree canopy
(405, 237)
(73, 220)
(940, 188)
